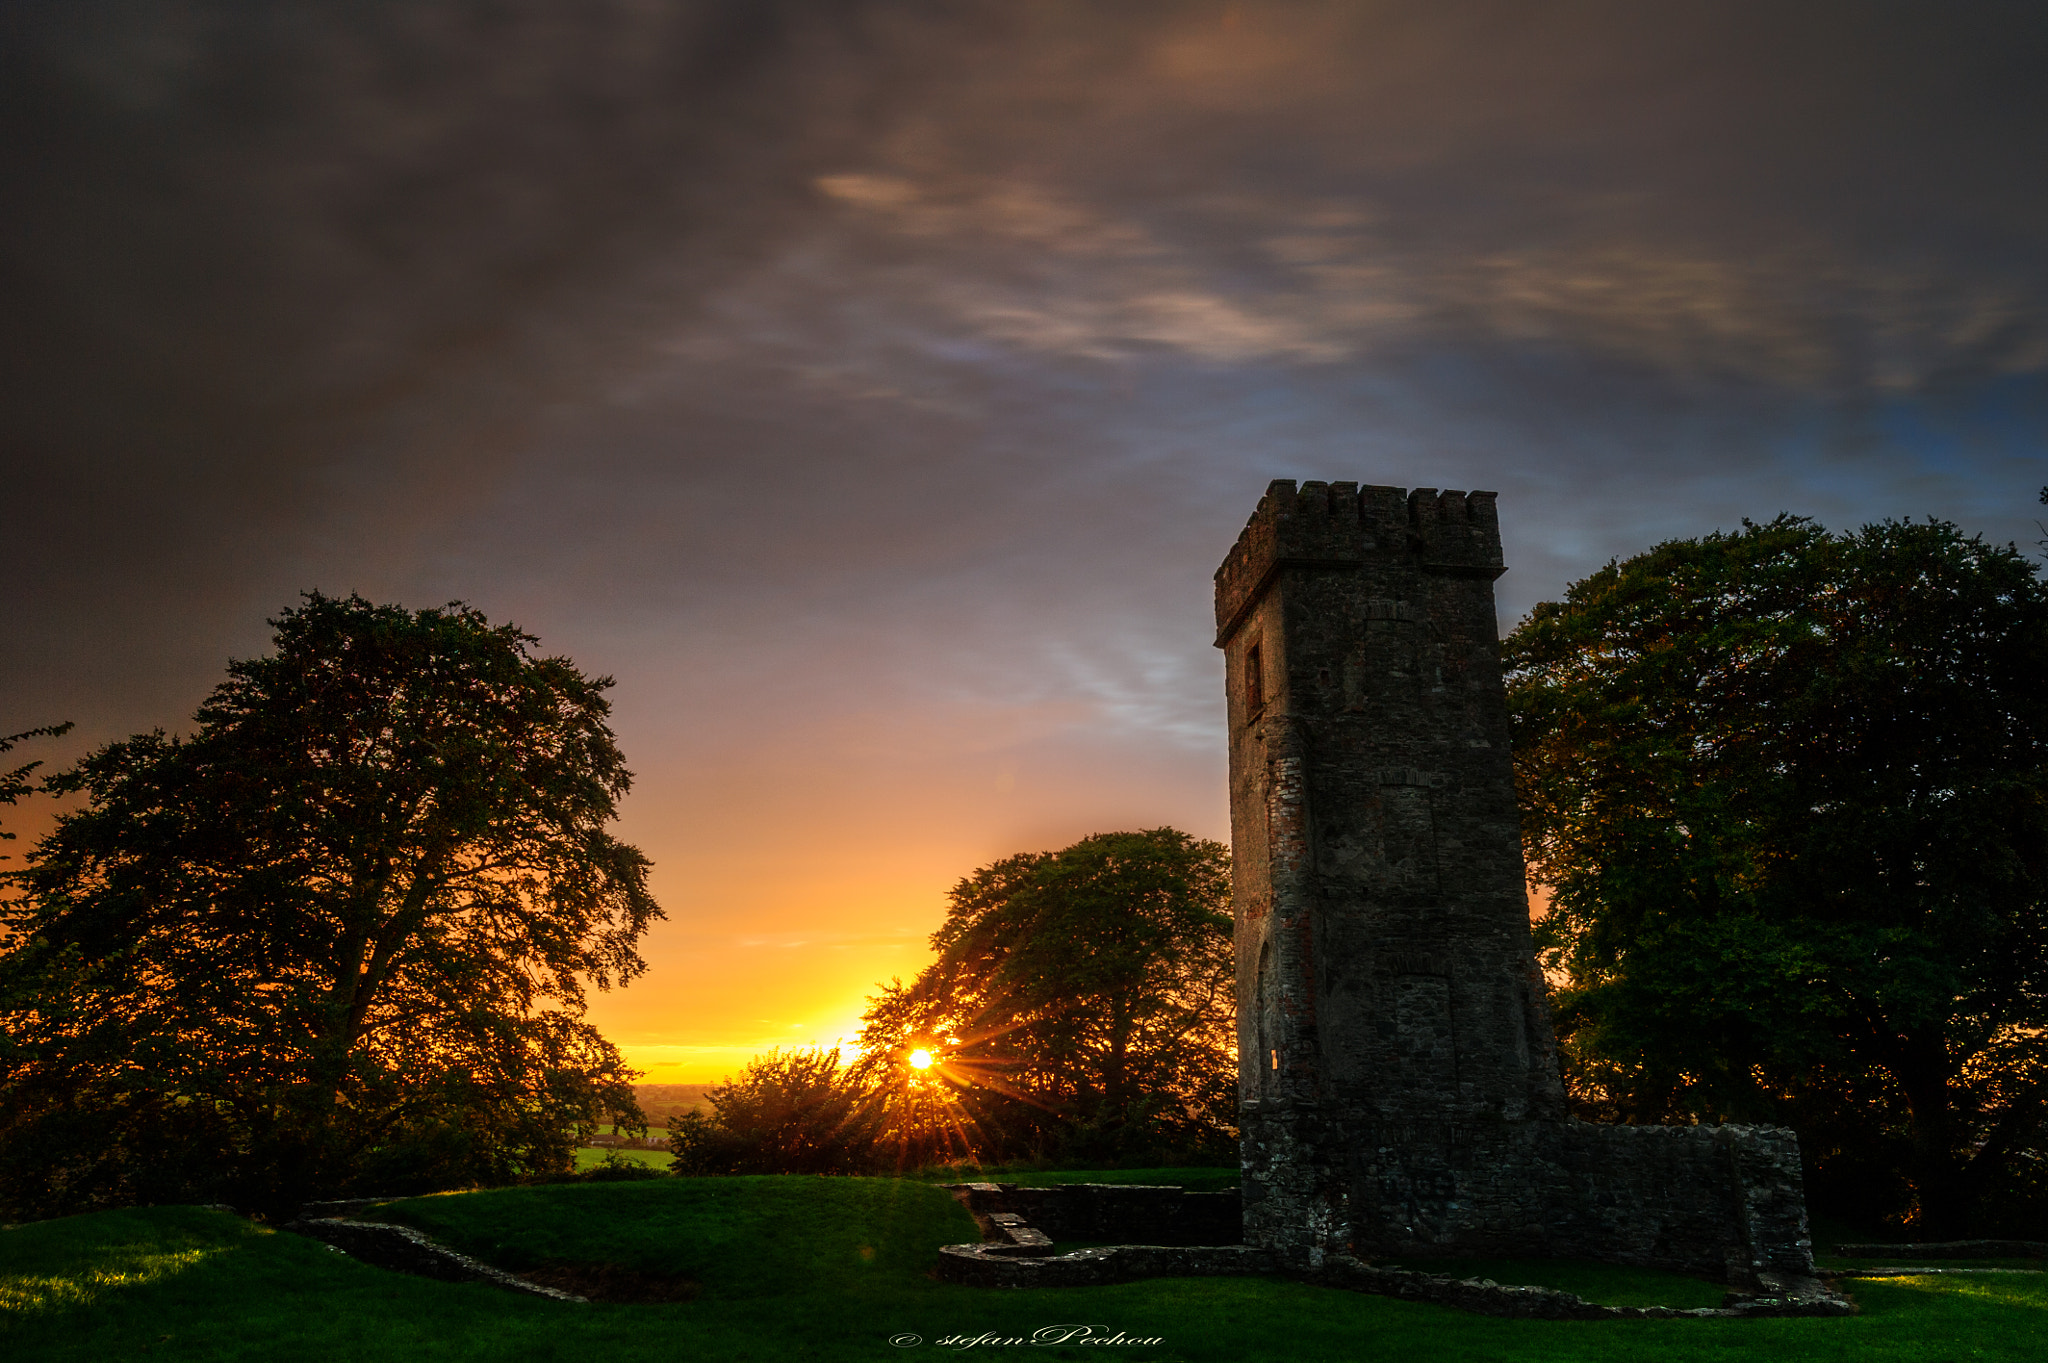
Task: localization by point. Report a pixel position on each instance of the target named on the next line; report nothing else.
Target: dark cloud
(274, 263)
(872, 387)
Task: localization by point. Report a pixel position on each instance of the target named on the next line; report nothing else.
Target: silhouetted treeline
(1081, 1008)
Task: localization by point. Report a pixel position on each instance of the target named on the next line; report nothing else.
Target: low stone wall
(1954, 1249)
(1924, 1271)
(405, 1250)
(1808, 1297)
(1143, 1214)
(1016, 1251)
(1707, 1200)
(1723, 1202)
(988, 1265)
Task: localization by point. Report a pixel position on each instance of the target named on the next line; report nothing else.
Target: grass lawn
(817, 1268)
(1195, 1180)
(589, 1157)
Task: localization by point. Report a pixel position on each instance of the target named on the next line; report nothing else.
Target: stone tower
(1398, 1083)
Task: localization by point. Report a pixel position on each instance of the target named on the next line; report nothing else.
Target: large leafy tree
(1790, 790)
(1081, 998)
(337, 937)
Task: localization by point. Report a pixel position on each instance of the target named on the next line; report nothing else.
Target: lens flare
(920, 1060)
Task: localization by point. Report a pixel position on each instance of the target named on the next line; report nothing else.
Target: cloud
(1025, 267)
(872, 385)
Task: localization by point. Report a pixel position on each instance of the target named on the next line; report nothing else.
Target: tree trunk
(1939, 1167)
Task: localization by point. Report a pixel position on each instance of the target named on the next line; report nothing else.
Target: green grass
(739, 1237)
(589, 1157)
(785, 1277)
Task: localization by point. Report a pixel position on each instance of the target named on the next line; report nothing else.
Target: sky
(873, 388)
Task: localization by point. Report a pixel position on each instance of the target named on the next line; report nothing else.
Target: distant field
(837, 1268)
(588, 1158)
(662, 1101)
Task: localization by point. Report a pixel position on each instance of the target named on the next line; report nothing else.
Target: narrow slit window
(1254, 681)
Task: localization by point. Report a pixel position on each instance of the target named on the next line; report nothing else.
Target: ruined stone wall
(1143, 1214)
(1719, 1201)
(1175, 1234)
(1398, 1081)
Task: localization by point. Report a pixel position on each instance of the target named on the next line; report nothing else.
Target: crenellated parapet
(1328, 525)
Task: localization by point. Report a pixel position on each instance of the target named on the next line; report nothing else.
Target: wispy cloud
(1025, 267)
(872, 385)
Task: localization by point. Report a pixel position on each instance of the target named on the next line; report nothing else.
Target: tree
(1082, 998)
(1790, 790)
(788, 1112)
(337, 938)
(15, 783)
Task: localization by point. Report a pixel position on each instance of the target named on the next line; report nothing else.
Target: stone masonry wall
(1142, 1214)
(1016, 1253)
(1398, 1081)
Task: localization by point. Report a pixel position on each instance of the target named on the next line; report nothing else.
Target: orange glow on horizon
(780, 941)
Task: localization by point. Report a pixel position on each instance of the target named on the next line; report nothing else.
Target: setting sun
(920, 1060)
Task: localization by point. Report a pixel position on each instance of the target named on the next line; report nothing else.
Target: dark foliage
(1791, 792)
(15, 783)
(788, 1112)
(336, 939)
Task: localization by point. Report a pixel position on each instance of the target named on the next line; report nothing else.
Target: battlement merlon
(1331, 525)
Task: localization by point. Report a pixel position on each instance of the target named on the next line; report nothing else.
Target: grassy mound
(737, 1237)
